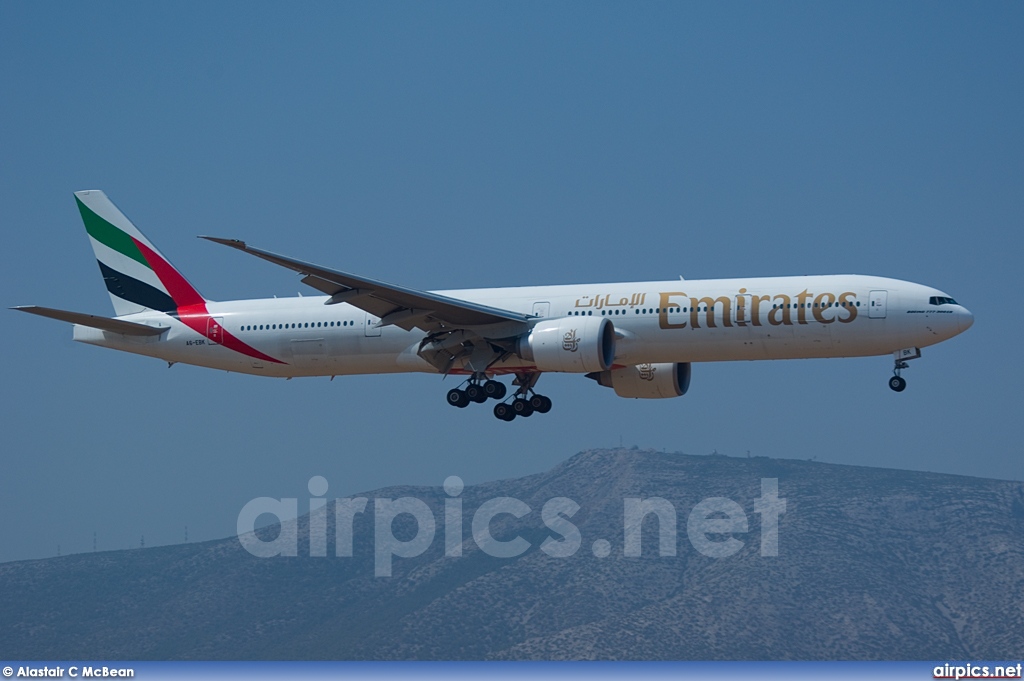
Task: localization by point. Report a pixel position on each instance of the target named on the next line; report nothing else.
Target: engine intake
(647, 381)
(570, 344)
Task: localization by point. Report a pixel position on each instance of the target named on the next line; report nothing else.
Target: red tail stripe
(181, 291)
(192, 306)
(197, 318)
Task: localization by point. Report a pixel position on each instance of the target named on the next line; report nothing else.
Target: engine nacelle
(570, 344)
(647, 381)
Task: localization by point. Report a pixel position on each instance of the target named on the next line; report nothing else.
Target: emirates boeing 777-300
(638, 338)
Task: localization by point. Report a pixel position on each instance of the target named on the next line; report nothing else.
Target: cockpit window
(941, 300)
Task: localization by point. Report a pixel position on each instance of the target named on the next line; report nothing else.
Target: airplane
(638, 338)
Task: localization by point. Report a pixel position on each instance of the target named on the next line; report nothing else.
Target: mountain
(871, 564)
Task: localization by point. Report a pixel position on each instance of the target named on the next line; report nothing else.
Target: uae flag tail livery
(137, 275)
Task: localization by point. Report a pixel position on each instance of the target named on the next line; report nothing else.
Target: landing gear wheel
(458, 398)
(898, 383)
(541, 404)
(504, 411)
(522, 407)
(476, 393)
(495, 390)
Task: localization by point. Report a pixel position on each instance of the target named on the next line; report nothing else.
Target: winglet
(234, 243)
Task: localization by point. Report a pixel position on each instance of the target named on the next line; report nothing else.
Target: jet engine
(649, 381)
(569, 344)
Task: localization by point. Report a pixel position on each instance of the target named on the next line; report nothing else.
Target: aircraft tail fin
(138, 277)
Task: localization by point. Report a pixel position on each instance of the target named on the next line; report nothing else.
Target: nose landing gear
(900, 359)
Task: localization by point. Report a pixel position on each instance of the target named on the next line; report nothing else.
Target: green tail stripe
(109, 235)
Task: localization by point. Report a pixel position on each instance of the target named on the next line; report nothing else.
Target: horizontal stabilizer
(103, 323)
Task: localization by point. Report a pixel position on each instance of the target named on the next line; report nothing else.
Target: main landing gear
(525, 402)
(476, 390)
(901, 357)
(522, 406)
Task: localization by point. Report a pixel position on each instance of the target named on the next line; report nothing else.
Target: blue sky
(485, 144)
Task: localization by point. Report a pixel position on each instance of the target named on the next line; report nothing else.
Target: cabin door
(876, 304)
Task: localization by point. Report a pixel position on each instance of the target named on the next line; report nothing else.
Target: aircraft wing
(403, 307)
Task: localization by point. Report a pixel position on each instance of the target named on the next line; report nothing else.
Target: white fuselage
(664, 321)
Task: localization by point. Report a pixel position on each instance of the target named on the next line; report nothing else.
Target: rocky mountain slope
(871, 564)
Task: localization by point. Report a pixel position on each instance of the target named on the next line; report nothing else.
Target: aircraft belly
(794, 341)
(693, 345)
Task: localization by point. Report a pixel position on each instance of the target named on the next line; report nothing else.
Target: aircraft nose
(966, 319)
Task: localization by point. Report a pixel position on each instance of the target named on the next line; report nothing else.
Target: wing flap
(324, 286)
